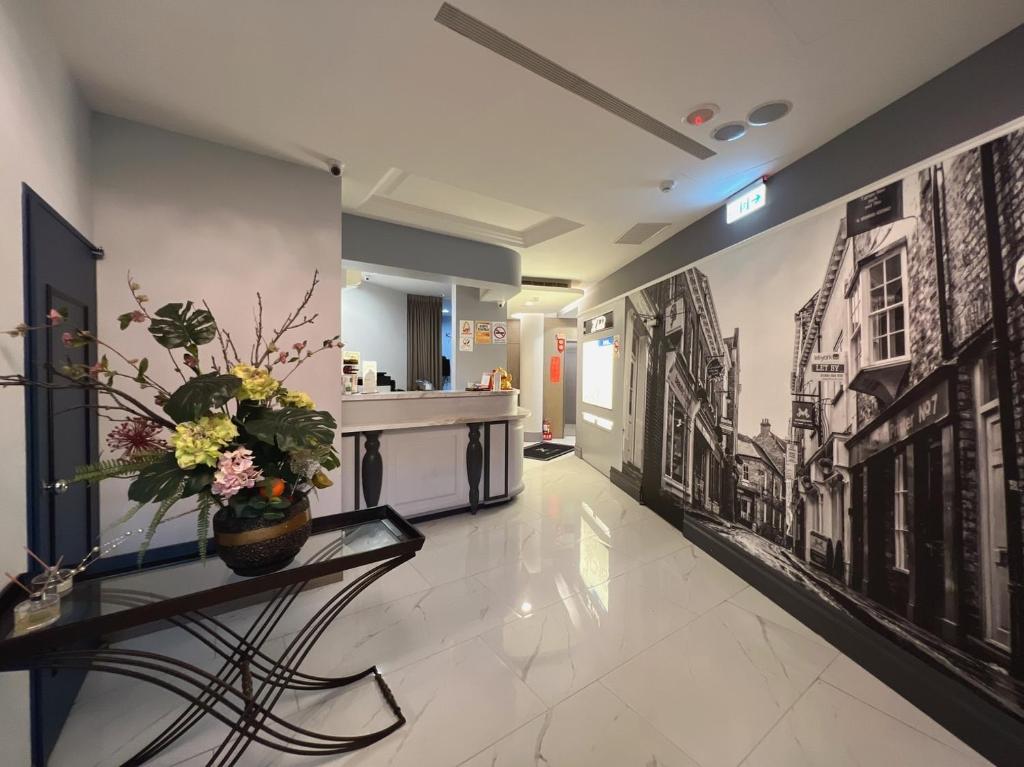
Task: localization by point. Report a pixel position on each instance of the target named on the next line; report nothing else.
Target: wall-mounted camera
(336, 169)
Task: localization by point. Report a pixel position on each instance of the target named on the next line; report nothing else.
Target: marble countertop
(424, 395)
(440, 420)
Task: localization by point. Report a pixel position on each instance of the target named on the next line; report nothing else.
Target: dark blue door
(61, 425)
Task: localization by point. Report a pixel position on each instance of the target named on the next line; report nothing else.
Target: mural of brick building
(912, 456)
(697, 365)
(760, 503)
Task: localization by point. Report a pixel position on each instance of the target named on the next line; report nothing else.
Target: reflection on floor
(571, 627)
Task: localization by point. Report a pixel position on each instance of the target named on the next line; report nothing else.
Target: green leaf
(199, 395)
(158, 516)
(292, 428)
(157, 481)
(203, 524)
(124, 320)
(178, 326)
(143, 367)
(119, 467)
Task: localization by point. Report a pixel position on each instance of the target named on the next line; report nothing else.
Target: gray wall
(374, 323)
(977, 95)
(379, 243)
(469, 366)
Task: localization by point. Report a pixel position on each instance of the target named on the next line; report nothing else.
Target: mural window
(746, 472)
(901, 533)
(676, 442)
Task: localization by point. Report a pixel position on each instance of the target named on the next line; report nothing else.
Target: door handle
(59, 487)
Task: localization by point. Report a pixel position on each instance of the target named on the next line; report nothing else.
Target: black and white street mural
(843, 399)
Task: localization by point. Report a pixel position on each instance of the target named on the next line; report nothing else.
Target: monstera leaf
(164, 479)
(292, 428)
(179, 326)
(198, 396)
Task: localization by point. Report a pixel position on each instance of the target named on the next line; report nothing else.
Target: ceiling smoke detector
(729, 132)
(769, 113)
(701, 115)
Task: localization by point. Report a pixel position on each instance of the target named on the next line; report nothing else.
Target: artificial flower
(199, 442)
(235, 472)
(296, 399)
(135, 437)
(257, 383)
(55, 317)
(282, 357)
(67, 338)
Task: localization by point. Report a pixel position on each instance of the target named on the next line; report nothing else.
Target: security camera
(667, 185)
(501, 304)
(335, 169)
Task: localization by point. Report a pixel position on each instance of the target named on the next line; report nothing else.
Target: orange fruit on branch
(272, 488)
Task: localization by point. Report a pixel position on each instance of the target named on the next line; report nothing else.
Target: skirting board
(990, 731)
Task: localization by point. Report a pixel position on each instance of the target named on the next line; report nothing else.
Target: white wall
(44, 142)
(194, 220)
(531, 372)
(469, 366)
(374, 322)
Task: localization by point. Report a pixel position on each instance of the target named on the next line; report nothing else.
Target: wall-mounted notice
(483, 332)
(555, 368)
(465, 335)
(877, 208)
(499, 333)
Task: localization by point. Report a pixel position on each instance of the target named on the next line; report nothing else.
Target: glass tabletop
(109, 595)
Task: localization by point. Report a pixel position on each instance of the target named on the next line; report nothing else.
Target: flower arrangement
(230, 438)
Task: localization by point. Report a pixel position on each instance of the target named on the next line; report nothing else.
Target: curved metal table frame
(242, 693)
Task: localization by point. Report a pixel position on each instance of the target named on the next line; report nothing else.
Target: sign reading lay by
(827, 366)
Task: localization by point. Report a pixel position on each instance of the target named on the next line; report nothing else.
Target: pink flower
(98, 368)
(191, 361)
(235, 472)
(282, 357)
(67, 338)
(55, 317)
(138, 316)
(299, 346)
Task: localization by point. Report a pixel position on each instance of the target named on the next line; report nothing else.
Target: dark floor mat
(545, 451)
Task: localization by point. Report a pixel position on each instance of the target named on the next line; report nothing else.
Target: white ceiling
(438, 132)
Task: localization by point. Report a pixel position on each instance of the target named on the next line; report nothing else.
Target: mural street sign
(877, 208)
(805, 415)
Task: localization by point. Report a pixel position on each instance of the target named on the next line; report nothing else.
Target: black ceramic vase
(257, 546)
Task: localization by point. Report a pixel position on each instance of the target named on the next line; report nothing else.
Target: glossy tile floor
(570, 627)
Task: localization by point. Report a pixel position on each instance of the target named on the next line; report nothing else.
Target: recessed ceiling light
(729, 132)
(701, 115)
(769, 113)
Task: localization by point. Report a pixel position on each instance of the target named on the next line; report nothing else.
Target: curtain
(424, 314)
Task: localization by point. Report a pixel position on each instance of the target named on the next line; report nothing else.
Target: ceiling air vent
(500, 43)
(640, 233)
(545, 282)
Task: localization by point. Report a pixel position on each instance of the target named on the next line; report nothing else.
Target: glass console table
(243, 691)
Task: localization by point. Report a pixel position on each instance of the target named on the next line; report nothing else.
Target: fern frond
(118, 467)
(203, 524)
(158, 516)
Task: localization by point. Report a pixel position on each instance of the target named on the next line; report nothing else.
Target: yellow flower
(296, 399)
(199, 442)
(256, 383)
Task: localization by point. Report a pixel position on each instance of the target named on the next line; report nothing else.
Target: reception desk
(430, 452)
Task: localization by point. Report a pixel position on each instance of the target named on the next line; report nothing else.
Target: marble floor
(572, 627)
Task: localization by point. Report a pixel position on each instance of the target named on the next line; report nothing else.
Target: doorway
(62, 427)
(929, 571)
(569, 390)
